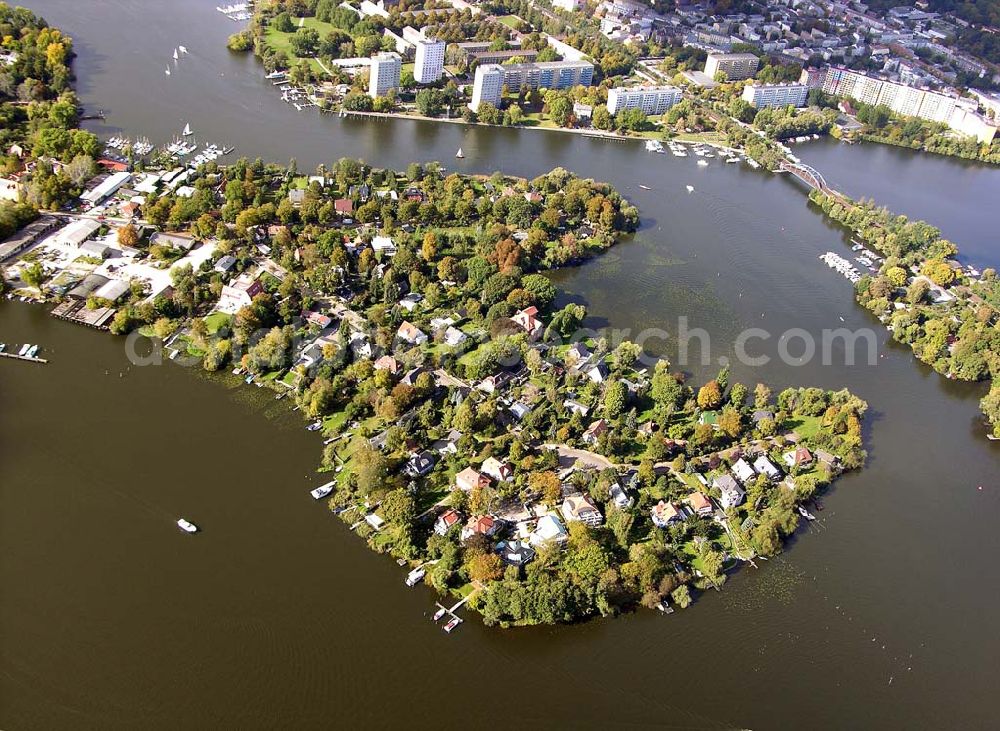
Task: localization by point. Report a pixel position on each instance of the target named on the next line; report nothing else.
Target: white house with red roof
(527, 320)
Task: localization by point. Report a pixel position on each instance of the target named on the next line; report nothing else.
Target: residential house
(442, 323)
(343, 206)
(410, 333)
(318, 319)
(528, 321)
(761, 414)
(520, 410)
(411, 376)
(595, 431)
(576, 407)
(515, 553)
(549, 528)
(581, 508)
(766, 467)
(420, 464)
(598, 373)
(410, 301)
(469, 479)
(620, 497)
(732, 493)
(225, 263)
(798, 457)
(384, 245)
(297, 197)
(700, 504)
(499, 471)
(577, 352)
(663, 514)
(239, 293)
(173, 241)
(388, 363)
(448, 444)
(826, 458)
(483, 525)
(494, 383)
(446, 521)
(743, 471)
(454, 337)
(361, 345)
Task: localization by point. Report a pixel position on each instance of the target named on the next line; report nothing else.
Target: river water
(880, 615)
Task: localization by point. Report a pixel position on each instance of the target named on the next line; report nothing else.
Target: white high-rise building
(429, 63)
(735, 66)
(488, 85)
(385, 71)
(650, 99)
(776, 95)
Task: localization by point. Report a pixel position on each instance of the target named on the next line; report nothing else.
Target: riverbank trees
(949, 316)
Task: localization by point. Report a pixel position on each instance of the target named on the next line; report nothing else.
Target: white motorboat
(168, 71)
(690, 188)
(703, 163)
(452, 624)
(439, 613)
(182, 49)
(416, 576)
(187, 526)
(322, 491)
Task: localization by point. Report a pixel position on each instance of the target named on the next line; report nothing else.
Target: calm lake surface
(878, 616)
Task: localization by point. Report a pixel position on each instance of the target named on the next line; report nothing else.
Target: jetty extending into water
(25, 357)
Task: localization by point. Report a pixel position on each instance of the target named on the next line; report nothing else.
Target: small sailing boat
(459, 154)
(182, 49)
(187, 130)
(176, 55)
(690, 188)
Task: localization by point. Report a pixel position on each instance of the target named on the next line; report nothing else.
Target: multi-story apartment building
(429, 62)
(776, 95)
(488, 86)
(736, 66)
(549, 74)
(384, 76)
(650, 99)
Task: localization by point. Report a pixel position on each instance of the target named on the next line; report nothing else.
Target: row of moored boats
(27, 350)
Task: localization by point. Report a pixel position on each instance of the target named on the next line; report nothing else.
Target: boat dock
(17, 356)
(76, 311)
(453, 619)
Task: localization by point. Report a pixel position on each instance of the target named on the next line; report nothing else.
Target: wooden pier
(15, 356)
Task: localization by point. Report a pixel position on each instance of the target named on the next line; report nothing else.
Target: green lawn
(805, 426)
(216, 321)
(511, 21)
(282, 41)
